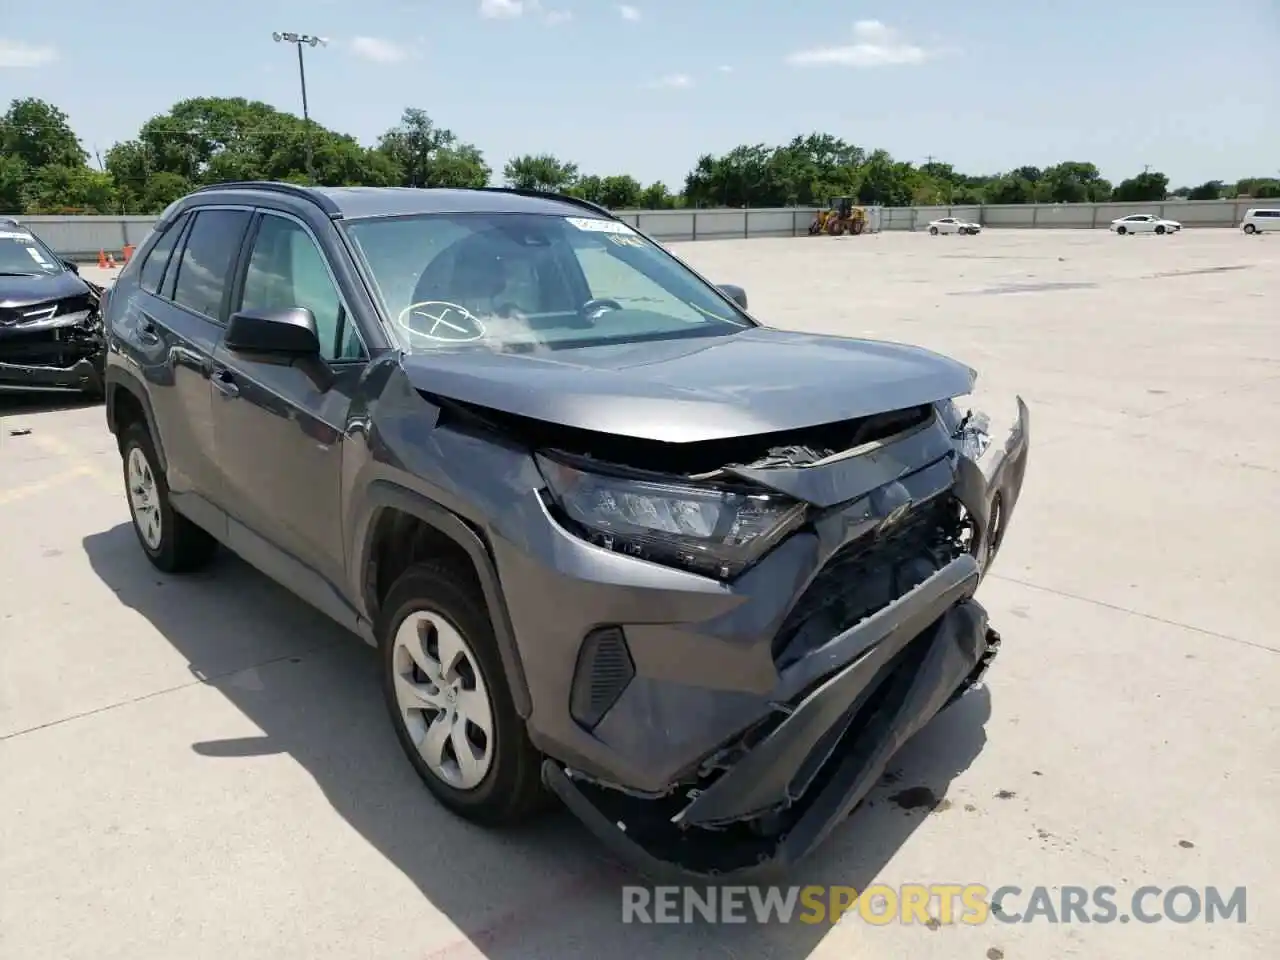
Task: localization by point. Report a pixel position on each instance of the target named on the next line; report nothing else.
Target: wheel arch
(127, 401)
(392, 512)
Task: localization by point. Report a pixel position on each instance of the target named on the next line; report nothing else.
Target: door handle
(147, 332)
(225, 381)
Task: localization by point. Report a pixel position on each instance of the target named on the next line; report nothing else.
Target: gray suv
(615, 540)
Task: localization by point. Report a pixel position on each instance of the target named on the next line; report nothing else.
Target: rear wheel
(171, 542)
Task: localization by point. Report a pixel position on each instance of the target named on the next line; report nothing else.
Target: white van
(1256, 220)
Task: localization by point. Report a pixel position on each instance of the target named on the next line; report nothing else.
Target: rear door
(176, 323)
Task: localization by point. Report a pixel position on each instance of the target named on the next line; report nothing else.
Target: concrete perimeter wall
(81, 237)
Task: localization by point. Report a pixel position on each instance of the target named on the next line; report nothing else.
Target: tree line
(44, 167)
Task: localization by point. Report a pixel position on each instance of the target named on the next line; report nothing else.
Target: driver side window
(287, 269)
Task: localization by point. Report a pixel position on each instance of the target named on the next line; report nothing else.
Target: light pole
(299, 40)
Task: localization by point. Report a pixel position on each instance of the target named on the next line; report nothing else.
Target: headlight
(978, 420)
(716, 531)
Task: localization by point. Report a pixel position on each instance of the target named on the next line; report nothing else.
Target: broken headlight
(977, 422)
(715, 531)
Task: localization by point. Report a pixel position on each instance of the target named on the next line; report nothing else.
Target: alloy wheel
(443, 701)
(144, 499)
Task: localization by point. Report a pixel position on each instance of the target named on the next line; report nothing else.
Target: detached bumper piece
(793, 786)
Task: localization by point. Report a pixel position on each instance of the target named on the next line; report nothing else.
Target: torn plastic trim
(950, 652)
(768, 776)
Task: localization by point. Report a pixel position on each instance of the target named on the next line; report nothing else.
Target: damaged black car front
(50, 319)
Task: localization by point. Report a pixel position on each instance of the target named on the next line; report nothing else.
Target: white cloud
(379, 51)
(502, 9)
(874, 45)
(558, 16)
(628, 12)
(673, 81)
(15, 53)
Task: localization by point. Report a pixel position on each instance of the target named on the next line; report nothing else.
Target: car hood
(758, 381)
(23, 291)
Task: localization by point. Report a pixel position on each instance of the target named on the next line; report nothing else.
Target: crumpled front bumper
(848, 707)
(83, 375)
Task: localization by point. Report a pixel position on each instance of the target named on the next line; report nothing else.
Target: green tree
(1209, 190)
(656, 197)
(620, 192)
(1144, 187)
(13, 177)
(540, 172)
(40, 135)
(56, 188)
(421, 154)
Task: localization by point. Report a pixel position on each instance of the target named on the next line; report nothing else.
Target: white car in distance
(1258, 220)
(1144, 223)
(952, 225)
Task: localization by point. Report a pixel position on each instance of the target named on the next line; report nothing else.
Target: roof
(350, 203)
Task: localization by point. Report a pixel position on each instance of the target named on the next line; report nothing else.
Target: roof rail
(277, 186)
(561, 197)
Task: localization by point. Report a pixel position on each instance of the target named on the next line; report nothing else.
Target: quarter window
(205, 267)
(287, 269)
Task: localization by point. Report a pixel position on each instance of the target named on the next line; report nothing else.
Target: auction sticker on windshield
(592, 225)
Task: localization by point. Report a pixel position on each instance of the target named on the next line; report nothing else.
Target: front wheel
(1250, 228)
(1160, 229)
(933, 231)
(449, 699)
(1121, 231)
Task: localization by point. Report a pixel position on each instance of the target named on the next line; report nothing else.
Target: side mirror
(284, 335)
(72, 266)
(735, 293)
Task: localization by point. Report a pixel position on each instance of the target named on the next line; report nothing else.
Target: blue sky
(645, 88)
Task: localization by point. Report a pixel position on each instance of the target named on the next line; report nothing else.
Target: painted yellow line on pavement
(14, 494)
(108, 480)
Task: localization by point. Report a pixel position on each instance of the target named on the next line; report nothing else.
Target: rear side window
(204, 270)
(153, 268)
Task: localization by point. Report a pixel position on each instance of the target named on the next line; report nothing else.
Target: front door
(279, 430)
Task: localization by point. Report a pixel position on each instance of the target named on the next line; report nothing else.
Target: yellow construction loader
(841, 217)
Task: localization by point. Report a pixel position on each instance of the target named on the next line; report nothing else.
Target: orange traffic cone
(102, 259)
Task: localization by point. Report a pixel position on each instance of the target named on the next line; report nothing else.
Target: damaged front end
(53, 345)
(879, 635)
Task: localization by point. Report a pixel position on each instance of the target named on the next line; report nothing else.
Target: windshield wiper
(13, 273)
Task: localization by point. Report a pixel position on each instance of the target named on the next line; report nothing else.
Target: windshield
(504, 281)
(23, 254)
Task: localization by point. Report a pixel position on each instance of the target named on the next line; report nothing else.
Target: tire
(933, 231)
(1121, 231)
(1160, 230)
(171, 542)
(503, 785)
(1250, 228)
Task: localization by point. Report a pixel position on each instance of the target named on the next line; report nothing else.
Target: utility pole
(299, 40)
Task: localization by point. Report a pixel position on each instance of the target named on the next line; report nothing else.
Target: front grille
(868, 574)
(63, 347)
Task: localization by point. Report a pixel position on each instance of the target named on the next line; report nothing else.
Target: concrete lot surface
(201, 767)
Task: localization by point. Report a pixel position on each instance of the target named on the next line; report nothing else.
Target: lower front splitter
(951, 650)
